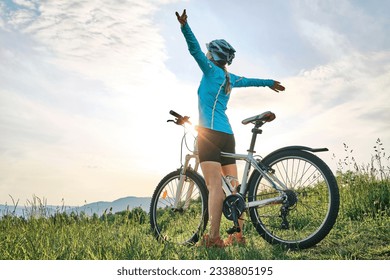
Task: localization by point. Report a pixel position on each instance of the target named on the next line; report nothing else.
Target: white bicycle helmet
(221, 51)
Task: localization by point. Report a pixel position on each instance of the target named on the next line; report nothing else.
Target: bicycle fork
(182, 180)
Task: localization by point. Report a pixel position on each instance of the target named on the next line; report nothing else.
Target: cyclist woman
(214, 132)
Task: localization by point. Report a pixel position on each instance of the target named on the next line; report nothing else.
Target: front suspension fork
(182, 180)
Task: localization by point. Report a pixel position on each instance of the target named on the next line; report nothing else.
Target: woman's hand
(182, 18)
(277, 87)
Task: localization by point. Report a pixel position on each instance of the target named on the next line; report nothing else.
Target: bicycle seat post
(256, 130)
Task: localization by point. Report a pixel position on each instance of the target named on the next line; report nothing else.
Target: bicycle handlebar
(173, 113)
(179, 118)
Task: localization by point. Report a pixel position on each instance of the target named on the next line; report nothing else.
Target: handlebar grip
(173, 113)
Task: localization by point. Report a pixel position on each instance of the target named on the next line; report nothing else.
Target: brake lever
(180, 121)
(176, 121)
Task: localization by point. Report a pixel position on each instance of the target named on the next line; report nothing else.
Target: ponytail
(222, 65)
(228, 86)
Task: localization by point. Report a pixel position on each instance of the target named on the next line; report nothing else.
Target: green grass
(362, 230)
(120, 237)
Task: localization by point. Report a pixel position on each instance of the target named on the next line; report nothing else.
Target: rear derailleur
(290, 201)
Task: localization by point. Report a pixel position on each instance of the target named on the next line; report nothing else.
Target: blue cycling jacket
(212, 99)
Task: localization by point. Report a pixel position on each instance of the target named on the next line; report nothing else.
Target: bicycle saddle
(264, 117)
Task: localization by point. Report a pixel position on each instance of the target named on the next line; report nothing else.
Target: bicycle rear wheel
(179, 214)
(311, 201)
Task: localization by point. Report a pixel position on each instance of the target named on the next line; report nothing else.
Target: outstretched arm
(251, 82)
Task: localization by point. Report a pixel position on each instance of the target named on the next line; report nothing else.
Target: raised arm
(193, 44)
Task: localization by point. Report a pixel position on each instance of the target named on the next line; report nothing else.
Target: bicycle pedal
(233, 229)
(285, 225)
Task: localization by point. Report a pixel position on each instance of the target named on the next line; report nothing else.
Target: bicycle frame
(228, 189)
(252, 162)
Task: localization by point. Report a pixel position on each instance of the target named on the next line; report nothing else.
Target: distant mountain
(118, 205)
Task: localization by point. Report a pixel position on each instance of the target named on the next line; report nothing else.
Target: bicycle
(291, 194)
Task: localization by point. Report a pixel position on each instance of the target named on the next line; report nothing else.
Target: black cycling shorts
(211, 143)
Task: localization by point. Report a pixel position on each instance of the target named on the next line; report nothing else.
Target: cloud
(335, 28)
(25, 3)
(107, 40)
(324, 39)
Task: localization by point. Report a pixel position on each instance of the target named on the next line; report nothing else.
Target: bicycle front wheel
(178, 210)
(311, 203)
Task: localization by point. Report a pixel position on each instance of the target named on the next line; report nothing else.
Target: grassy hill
(362, 230)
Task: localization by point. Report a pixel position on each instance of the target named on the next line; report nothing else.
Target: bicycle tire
(186, 222)
(313, 188)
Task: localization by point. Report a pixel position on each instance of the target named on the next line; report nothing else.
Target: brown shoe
(235, 239)
(215, 242)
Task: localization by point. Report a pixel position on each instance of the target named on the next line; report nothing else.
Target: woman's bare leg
(212, 174)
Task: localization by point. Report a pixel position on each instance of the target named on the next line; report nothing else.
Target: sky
(86, 87)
